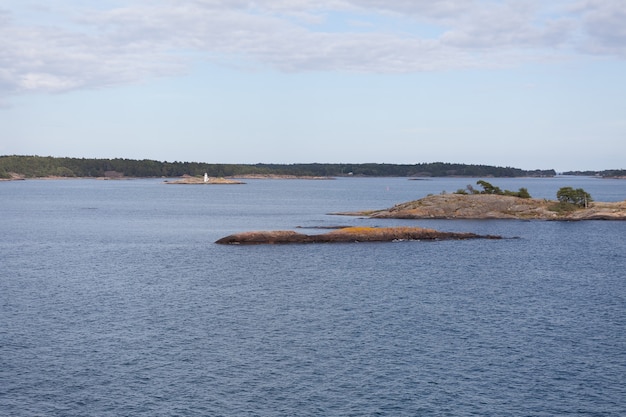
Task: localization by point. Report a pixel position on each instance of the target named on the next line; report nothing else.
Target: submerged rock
(348, 234)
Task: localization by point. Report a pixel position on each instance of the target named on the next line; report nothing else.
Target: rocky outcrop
(600, 211)
(348, 234)
(489, 206)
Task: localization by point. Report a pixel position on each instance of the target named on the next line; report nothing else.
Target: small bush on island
(521, 193)
(492, 189)
(562, 207)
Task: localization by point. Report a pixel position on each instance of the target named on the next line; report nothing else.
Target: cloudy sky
(523, 83)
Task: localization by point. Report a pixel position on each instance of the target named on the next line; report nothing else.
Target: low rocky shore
(210, 180)
(282, 177)
(488, 206)
(346, 235)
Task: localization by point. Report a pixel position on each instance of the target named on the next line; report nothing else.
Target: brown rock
(348, 234)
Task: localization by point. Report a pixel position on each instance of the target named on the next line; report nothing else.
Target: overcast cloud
(54, 49)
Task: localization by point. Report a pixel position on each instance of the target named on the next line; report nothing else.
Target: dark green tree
(577, 197)
(488, 188)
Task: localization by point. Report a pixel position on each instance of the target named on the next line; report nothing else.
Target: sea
(115, 301)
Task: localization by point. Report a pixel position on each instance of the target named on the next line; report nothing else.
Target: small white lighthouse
(206, 177)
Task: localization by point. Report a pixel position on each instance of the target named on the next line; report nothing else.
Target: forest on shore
(607, 173)
(46, 166)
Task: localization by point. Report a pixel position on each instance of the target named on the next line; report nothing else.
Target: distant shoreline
(34, 166)
(17, 177)
(281, 177)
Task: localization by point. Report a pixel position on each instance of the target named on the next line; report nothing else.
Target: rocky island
(492, 206)
(346, 235)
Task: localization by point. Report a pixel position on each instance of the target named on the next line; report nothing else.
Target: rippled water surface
(114, 300)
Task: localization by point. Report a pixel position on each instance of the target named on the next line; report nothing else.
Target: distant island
(608, 173)
(23, 167)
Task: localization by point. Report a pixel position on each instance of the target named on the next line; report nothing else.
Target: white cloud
(52, 59)
(507, 25)
(603, 23)
(122, 44)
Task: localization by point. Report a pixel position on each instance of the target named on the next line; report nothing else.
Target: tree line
(45, 166)
(607, 173)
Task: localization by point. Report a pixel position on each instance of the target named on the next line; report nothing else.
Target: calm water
(114, 301)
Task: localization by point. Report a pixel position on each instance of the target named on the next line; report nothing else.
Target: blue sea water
(114, 300)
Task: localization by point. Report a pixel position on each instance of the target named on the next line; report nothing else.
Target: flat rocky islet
(347, 235)
(490, 206)
(200, 180)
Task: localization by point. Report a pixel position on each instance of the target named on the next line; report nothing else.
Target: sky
(523, 83)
